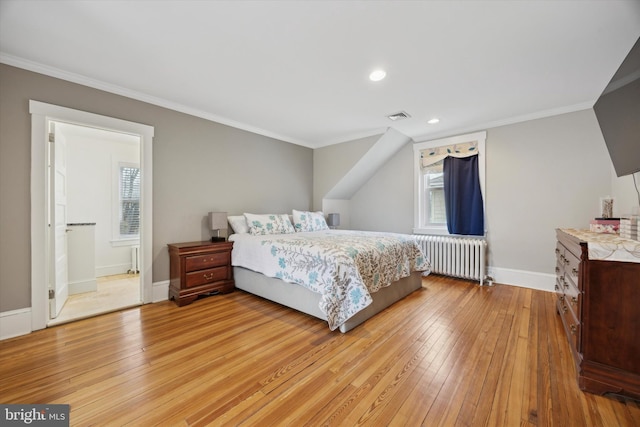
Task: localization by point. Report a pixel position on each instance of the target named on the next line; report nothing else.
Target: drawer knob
(208, 276)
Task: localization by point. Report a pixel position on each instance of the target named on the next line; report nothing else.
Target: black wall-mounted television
(618, 113)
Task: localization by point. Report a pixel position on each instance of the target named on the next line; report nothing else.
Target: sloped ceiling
(298, 71)
(386, 146)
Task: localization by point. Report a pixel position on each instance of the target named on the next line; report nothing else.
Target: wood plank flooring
(451, 353)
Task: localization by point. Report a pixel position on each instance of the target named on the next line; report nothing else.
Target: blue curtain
(463, 199)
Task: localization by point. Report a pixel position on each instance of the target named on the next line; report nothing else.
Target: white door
(59, 286)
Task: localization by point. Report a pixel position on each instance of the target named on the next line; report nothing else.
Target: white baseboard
(525, 279)
(110, 270)
(160, 291)
(15, 323)
(80, 287)
(18, 322)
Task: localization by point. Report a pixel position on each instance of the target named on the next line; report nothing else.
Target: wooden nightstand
(198, 268)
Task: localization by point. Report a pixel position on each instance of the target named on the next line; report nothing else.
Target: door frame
(41, 115)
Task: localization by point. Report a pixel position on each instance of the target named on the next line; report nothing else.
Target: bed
(341, 276)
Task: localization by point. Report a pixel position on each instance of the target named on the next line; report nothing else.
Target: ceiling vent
(398, 116)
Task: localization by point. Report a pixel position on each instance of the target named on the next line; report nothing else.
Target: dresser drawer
(574, 330)
(560, 250)
(571, 325)
(202, 277)
(201, 262)
(571, 267)
(573, 300)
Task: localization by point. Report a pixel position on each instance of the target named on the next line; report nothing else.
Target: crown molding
(139, 96)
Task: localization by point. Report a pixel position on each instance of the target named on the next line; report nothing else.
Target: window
(433, 184)
(429, 200)
(129, 201)
(126, 203)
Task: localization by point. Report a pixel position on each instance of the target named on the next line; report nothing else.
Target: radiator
(455, 256)
(135, 260)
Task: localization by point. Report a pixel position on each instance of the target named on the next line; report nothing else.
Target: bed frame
(306, 301)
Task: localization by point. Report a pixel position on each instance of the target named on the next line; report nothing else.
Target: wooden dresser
(599, 304)
(198, 268)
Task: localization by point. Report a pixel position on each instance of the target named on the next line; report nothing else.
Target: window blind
(129, 201)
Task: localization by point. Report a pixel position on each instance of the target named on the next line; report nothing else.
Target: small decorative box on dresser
(198, 268)
(598, 288)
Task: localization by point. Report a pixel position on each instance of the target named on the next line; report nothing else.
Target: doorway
(42, 115)
(99, 196)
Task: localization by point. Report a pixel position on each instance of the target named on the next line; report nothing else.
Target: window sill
(125, 242)
(434, 231)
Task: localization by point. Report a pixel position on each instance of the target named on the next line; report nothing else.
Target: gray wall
(198, 166)
(541, 174)
(377, 206)
(332, 162)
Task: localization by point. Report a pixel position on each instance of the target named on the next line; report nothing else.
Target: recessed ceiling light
(433, 121)
(377, 75)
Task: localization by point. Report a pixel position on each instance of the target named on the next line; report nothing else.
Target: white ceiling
(298, 71)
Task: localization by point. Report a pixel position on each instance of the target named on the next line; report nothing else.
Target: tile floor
(114, 293)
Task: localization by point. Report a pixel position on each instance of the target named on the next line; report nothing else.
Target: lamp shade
(218, 220)
(333, 219)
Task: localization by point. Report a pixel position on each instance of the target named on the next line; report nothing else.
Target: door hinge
(52, 137)
(52, 293)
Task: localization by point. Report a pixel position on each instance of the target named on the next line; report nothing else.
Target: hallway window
(129, 201)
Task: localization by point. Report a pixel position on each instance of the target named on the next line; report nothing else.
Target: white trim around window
(118, 239)
(420, 225)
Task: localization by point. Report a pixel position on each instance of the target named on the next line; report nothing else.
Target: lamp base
(218, 239)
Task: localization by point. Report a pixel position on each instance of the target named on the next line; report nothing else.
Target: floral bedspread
(344, 266)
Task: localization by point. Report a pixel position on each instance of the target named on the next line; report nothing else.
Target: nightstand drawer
(199, 268)
(203, 277)
(200, 262)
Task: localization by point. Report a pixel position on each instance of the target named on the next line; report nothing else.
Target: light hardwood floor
(449, 354)
(113, 293)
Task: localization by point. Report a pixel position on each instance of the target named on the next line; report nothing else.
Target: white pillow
(309, 221)
(238, 224)
(269, 224)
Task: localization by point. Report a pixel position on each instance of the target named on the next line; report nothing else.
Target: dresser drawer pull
(574, 329)
(208, 276)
